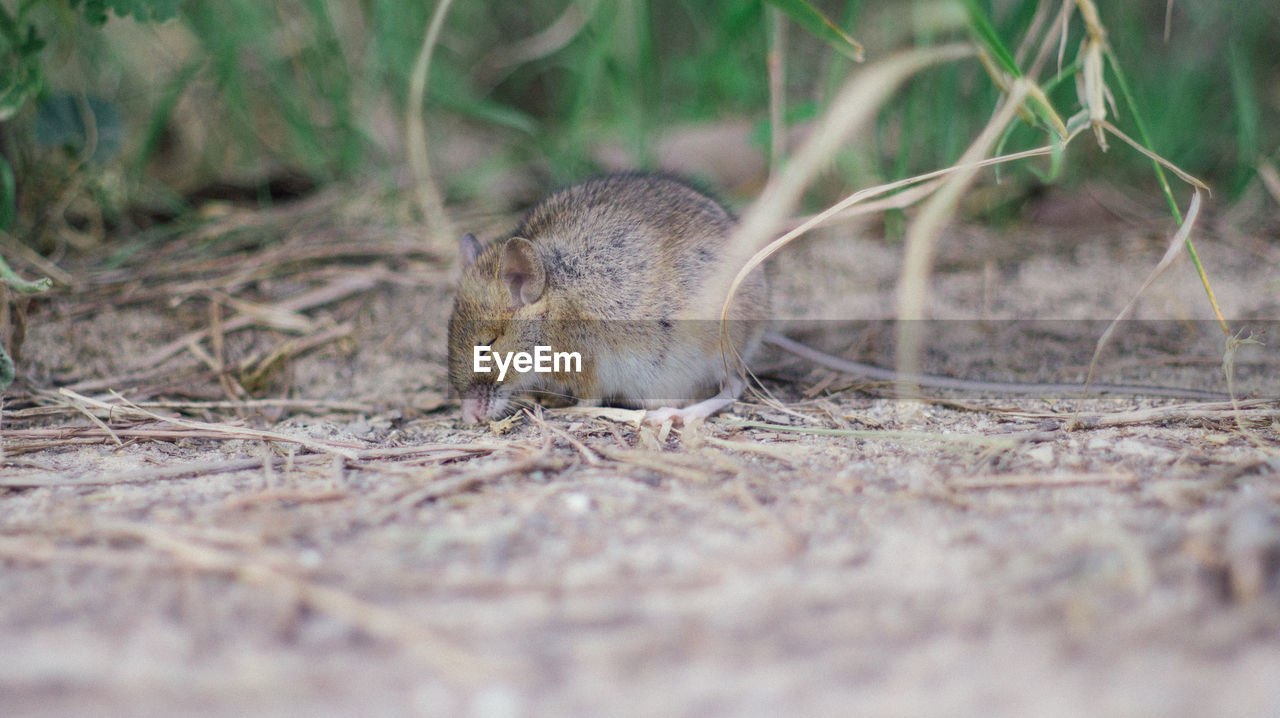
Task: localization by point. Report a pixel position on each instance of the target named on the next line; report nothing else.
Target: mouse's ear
(522, 271)
(468, 249)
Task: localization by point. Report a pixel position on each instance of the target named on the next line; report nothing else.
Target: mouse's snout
(482, 403)
(472, 409)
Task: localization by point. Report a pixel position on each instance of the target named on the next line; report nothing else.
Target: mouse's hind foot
(700, 410)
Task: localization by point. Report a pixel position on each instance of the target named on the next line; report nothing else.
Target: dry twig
(239, 432)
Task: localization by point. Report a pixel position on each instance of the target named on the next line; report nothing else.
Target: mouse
(605, 275)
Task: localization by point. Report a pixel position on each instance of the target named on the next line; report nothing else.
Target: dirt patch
(846, 553)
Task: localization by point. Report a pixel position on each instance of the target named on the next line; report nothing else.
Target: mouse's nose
(473, 409)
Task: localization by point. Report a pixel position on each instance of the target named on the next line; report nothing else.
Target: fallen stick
(238, 432)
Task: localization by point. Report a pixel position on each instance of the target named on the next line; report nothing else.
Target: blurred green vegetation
(239, 90)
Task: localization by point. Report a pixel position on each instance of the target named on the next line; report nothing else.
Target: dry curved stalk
(1179, 239)
(923, 233)
(855, 104)
(850, 206)
(853, 205)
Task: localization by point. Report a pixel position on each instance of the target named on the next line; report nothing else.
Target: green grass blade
(990, 41)
(1142, 132)
(494, 113)
(1247, 112)
(810, 18)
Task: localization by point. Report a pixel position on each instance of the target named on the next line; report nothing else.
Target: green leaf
(807, 16)
(14, 96)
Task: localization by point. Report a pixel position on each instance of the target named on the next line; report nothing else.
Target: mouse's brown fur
(607, 268)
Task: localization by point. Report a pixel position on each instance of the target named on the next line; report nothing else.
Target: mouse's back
(631, 245)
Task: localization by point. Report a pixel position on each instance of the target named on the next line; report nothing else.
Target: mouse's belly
(651, 378)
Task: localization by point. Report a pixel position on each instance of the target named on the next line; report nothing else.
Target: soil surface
(234, 482)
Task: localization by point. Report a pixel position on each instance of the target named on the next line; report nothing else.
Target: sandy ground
(964, 556)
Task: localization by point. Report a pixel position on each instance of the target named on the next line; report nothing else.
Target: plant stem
(429, 199)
